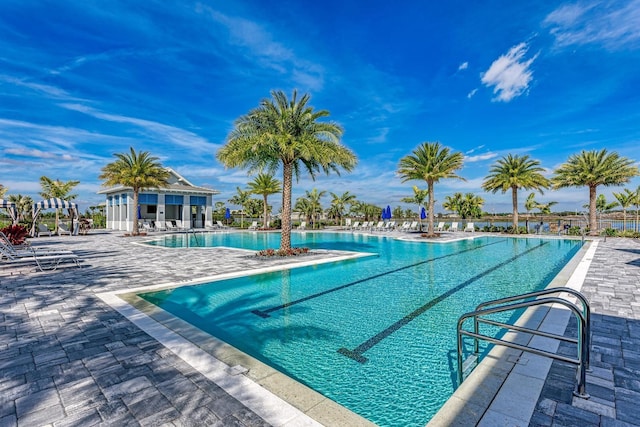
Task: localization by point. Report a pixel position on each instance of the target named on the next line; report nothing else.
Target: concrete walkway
(67, 358)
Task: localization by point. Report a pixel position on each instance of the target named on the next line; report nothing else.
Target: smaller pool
(377, 334)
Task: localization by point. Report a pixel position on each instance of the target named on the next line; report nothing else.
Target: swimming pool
(376, 334)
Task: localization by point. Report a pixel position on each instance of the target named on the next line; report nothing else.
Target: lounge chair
(413, 226)
(405, 226)
(43, 260)
(470, 227)
(43, 229)
(390, 225)
(220, 224)
(157, 225)
(63, 229)
(147, 227)
(440, 226)
(347, 224)
(302, 226)
(253, 226)
(355, 225)
(454, 226)
(170, 226)
(379, 226)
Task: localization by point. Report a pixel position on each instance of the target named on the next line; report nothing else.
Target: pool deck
(72, 353)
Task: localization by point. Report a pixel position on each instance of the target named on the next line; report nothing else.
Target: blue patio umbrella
(423, 213)
(388, 212)
(227, 213)
(139, 214)
(383, 215)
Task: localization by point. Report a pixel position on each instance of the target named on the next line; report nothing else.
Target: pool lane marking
(356, 353)
(265, 313)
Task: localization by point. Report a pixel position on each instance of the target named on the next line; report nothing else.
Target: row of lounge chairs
(44, 259)
(406, 226)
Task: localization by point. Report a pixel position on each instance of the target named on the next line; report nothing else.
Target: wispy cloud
(159, 131)
(39, 154)
(262, 45)
(480, 147)
(613, 24)
(463, 66)
(473, 92)
(480, 157)
(510, 74)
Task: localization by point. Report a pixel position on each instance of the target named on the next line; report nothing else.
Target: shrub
(16, 233)
(282, 253)
(610, 232)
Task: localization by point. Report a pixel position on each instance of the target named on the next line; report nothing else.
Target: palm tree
(310, 205)
(341, 201)
(466, 206)
(636, 203)
(140, 171)
(625, 200)
(419, 196)
(286, 133)
(430, 162)
(3, 191)
(58, 189)
(515, 172)
(24, 206)
(241, 199)
(592, 169)
(265, 185)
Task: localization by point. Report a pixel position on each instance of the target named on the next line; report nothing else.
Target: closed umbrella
(423, 215)
(388, 212)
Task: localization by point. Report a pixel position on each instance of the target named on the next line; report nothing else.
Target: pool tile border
(277, 398)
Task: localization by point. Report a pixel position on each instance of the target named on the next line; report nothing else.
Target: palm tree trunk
(593, 225)
(624, 219)
(514, 201)
(287, 178)
(432, 203)
(265, 212)
(135, 231)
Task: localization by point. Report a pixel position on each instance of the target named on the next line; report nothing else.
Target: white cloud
(18, 151)
(473, 92)
(480, 157)
(475, 149)
(510, 75)
(257, 42)
(614, 25)
(463, 66)
(159, 131)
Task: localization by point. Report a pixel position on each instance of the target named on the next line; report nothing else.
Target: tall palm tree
(241, 199)
(636, 203)
(418, 198)
(265, 185)
(56, 188)
(139, 171)
(430, 162)
(625, 200)
(512, 173)
(341, 201)
(286, 133)
(592, 169)
(530, 204)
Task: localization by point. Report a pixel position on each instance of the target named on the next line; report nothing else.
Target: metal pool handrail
(584, 330)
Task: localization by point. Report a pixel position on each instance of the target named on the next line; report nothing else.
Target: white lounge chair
(63, 229)
(157, 225)
(302, 226)
(253, 226)
(440, 226)
(347, 224)
(355, 225)
(390, 225)
(454, 226)
(470, 227)
(169, 225)
(220, 224)
(43, 229)
(405, 226)
(413, 226)
(379, 226)
(43, 260)
(147, 227)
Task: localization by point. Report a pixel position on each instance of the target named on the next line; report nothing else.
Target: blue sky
(82, 80)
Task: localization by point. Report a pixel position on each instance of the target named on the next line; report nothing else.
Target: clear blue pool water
(376, 334)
